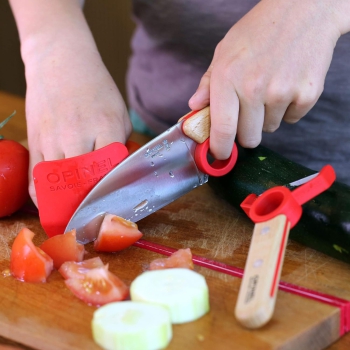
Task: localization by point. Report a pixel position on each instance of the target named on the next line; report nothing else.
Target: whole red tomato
(14, 163)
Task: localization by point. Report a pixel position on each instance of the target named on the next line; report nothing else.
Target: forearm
(339, 12)
(42, 24)
(334, 14)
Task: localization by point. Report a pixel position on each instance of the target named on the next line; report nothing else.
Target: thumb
(201, 97)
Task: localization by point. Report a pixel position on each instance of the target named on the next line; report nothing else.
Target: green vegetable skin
(325, 222)
(130, 325)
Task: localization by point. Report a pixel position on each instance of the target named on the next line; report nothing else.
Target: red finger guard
(280, 200)
(61, 185)
(218, 167)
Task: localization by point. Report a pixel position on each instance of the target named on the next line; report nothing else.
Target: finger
(120, 133)
(201, 97)
(250, 123)
(224, 109)
(105, 140)
(73, 145)
(300, 107)
(32, 192)
(35, 158)
(273, 116)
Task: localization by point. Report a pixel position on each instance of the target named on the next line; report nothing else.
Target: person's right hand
(270, 66)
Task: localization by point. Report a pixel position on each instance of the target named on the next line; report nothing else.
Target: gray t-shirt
(172, 47)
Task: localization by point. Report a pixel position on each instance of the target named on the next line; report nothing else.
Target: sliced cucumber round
(132, 325)
(182, 291)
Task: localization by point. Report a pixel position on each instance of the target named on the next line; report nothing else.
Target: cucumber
(325, 222)
(182, 291)
(131, 325)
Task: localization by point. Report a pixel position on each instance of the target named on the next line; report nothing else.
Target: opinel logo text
(155, 151)
(79, 176)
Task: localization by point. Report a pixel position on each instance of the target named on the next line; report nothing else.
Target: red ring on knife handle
(218, 167)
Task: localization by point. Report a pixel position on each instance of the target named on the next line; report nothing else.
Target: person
(257, 63)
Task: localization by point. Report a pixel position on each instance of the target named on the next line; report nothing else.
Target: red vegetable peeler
(61, 185)
(274, 212)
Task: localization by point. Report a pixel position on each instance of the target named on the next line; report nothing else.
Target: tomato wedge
(62, 248)
(28, 262)
(116, 234)
(180, 258)
(72, 269)
(98, 286)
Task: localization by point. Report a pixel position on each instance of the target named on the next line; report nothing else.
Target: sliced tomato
(116, 234)
(180, 258)
(72, 269)
(98, 287)
(28, 262)
(62, 248)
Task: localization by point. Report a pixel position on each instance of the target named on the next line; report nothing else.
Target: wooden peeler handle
(274, 213)
(258, 291)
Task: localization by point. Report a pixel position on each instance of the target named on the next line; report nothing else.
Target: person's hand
(270, 66)
(72, 104)
(72, 107)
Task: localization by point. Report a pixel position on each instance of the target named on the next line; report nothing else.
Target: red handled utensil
(274, 212)
(196, 125)
(62, 184)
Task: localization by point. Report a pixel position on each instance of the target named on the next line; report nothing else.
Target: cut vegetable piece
(72, 269)
(62, 248)
(132, 325)
(116, 234)
(181, 258)
(14, 162)
(98, 287)
(28, 262)
(182, 291)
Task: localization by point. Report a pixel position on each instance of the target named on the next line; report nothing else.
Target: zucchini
(325, 222)
(131, 325)
(183, 292)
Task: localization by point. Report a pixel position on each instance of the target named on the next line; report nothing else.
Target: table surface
(303, 266)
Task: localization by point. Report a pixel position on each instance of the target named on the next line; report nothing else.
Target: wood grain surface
(48, 316)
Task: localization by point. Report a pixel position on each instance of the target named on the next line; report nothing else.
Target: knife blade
(303, 180)
(158, 173)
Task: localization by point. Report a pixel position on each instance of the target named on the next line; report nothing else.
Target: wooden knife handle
(257, 294)
(197, 126)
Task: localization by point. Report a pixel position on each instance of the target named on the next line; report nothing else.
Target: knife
(166, 168)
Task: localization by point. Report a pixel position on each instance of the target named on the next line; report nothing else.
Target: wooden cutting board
(48, 316)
